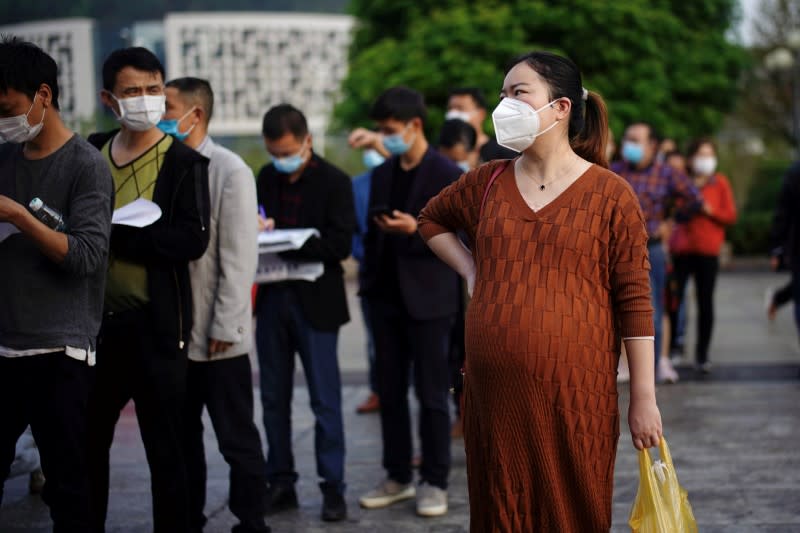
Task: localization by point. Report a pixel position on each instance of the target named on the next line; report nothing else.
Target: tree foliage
(665, 61)
(767, 99)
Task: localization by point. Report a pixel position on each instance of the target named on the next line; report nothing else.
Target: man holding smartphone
(413, 300)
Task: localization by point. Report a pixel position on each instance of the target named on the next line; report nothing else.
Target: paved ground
(733, 437)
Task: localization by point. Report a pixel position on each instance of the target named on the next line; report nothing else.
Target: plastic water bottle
(49, 216)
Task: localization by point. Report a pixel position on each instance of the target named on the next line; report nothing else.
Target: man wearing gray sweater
(52, 282)
(219, 376)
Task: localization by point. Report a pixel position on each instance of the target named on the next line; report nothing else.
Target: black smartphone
(378, 210)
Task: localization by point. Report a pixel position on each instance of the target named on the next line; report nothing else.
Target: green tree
(665, 61)
(455, 37)
(766, 105)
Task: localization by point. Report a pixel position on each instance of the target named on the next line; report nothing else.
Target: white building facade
(256, 60)
(71, 43)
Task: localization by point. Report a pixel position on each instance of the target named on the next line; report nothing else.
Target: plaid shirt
(660, 189)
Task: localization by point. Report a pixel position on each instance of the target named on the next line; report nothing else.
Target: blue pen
(262, 212)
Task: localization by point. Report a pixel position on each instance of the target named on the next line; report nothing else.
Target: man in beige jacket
(219, 375)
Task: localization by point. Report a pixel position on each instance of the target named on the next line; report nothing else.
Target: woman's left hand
(644, 420)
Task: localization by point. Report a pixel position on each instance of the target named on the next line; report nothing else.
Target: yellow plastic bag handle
(661, 504)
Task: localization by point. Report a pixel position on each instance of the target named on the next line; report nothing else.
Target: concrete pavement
(733, 438)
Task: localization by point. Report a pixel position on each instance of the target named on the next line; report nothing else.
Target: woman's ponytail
(590, 142)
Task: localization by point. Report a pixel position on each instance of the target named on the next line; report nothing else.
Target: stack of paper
(272, 268)
(139, 213)
(280, 240)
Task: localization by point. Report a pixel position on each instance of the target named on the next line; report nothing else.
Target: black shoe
(280, 498)
(241, 528)
(334, 508)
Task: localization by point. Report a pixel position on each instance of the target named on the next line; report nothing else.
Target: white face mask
(704, 165)
(464, 116)
(516, 124)
(140, 113)
(17, 129)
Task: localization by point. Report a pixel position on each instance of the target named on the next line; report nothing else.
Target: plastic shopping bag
(661, 504)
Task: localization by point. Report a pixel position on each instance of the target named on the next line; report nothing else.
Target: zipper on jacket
(199, 202)
(181, 342)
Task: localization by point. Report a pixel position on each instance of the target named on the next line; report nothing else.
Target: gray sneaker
(387, 493)
(431, 501)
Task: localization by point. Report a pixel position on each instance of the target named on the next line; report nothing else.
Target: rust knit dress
(555, 291)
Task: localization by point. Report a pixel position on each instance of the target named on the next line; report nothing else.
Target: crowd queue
(512, 267)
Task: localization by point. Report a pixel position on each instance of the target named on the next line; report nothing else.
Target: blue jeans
(282, 329)
(658, 283)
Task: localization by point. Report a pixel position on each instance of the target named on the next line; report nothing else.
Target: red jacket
(706, 233)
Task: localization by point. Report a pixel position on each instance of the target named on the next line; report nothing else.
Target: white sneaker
(431, 501)
(387, 493)
(665, 372)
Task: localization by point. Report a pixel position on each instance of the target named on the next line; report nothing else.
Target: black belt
(653, 240)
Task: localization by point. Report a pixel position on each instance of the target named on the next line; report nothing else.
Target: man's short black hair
(282, 119)
(456, 131)
(399, 103)
(473, 92)
(24, 67)
(197, 91)
(136, 57)
(654, 134)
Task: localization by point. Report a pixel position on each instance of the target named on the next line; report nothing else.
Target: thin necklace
(542, 186)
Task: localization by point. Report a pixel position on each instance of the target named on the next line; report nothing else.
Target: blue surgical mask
(170, 126)
(290, 164)
(372, 158)
(395, 143)
(464, 166)
(632, 152)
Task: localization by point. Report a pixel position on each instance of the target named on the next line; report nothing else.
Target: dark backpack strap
(497, 171)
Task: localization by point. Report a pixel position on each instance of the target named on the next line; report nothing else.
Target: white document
(7, 229)
(272, 268)
(281, 240)
(139, 213)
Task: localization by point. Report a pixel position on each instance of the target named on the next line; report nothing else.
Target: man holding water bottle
(51, 287)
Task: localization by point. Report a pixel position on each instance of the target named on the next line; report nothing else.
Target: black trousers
(400, 342)
(225, 388)
(49, 392)
(704, 269)
(784, 295)
(130, 367)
